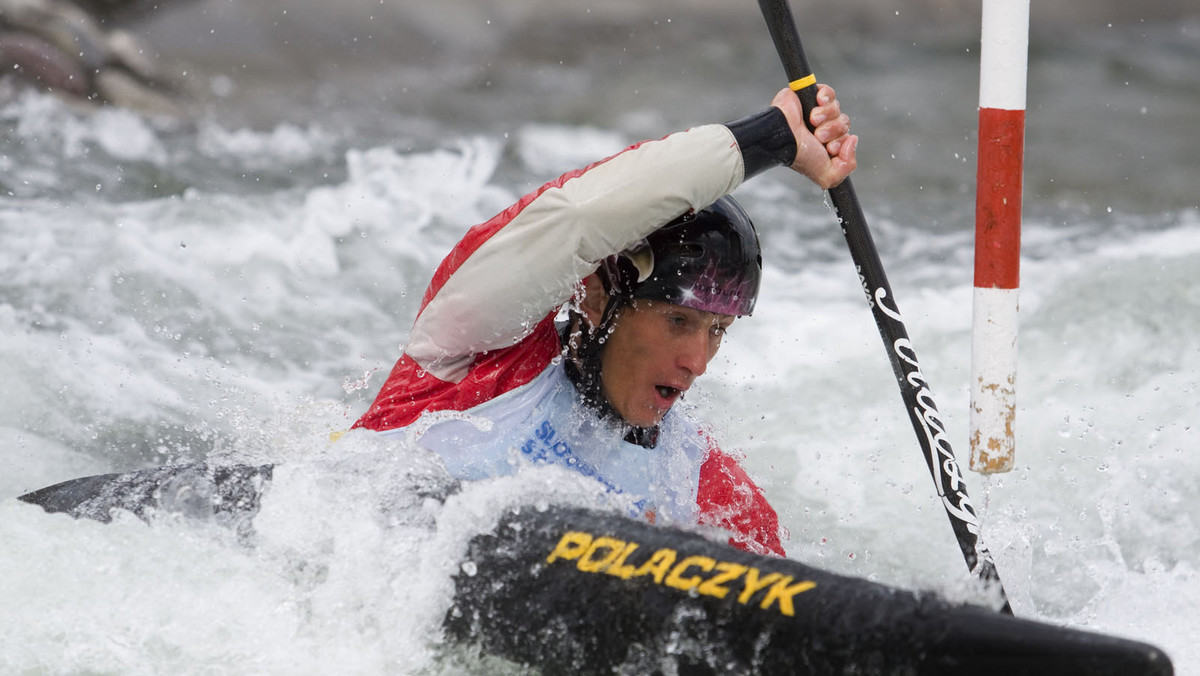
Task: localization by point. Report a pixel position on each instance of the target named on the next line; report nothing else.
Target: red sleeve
(728, 498)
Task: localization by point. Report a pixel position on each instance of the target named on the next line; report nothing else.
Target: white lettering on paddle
(949, 482)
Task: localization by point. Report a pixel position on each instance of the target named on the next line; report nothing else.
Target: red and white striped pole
(1003, 61)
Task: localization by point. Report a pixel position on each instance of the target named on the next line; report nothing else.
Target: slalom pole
(1003, 61)
(914, 388)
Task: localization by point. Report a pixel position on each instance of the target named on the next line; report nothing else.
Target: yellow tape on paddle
(806, 81)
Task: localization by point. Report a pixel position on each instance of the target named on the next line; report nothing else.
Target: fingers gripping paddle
(914, 389)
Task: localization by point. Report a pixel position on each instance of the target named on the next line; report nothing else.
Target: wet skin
(653, 355)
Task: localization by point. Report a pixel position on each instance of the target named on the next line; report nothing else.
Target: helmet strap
(584, 368)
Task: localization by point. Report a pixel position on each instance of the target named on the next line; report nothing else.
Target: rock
(57, 46)
(31, 57)
(121, 88)
(126, 50)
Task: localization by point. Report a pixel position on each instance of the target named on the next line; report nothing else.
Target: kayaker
(564, 329)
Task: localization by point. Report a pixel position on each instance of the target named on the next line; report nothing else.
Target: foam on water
(240, 293)
(348, 570)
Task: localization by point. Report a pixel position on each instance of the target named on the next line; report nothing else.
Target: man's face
(653, 355)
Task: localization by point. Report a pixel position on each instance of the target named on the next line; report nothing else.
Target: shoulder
(723, 482)
(729, 498)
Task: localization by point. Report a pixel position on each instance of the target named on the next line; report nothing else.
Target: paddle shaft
(914, 389)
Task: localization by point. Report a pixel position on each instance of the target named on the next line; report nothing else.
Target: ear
(595, 298)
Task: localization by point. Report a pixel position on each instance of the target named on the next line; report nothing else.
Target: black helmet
(707, 260)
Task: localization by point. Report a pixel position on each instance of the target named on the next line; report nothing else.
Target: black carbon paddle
(914, 388)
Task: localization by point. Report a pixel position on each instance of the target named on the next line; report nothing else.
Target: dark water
(1111, 93)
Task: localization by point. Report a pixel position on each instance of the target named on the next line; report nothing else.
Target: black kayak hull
(574, 591)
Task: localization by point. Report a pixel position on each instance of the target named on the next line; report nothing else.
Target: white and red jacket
(484, 342)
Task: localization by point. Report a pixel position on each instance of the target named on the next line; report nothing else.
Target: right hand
(829, 155)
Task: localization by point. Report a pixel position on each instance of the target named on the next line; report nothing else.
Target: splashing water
(235, 290)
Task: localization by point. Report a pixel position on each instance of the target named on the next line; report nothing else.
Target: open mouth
(667, 392)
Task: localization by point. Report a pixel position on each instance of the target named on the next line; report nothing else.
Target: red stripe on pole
(998, 198)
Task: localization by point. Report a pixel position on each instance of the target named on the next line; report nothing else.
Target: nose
(694, 353)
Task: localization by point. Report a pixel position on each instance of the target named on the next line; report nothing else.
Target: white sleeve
(531, 265)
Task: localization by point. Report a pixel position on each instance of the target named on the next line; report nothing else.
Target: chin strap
(583, 369)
